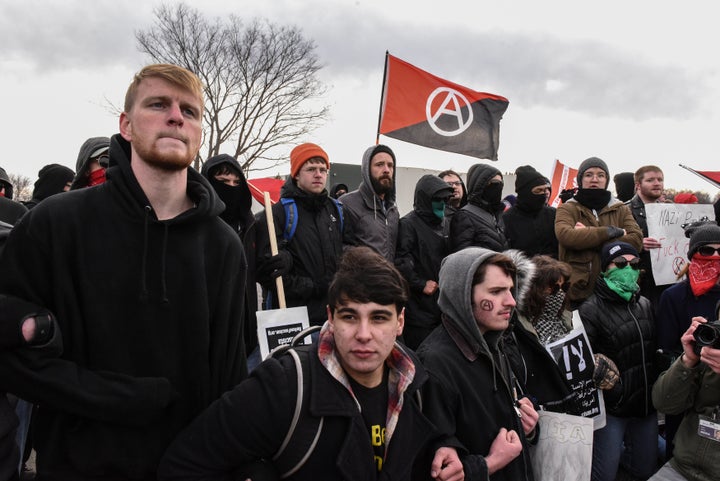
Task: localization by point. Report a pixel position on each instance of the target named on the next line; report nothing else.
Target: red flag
(712, 176)
(265, 184)
(423, 109)
(563, 177)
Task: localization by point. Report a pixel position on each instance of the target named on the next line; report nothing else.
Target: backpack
(304, 431)
(291, 216)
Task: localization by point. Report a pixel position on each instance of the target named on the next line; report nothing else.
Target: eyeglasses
(621, 262)
(708, 250)
(556, 287)
(455, 183)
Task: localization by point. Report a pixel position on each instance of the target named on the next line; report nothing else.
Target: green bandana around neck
(623, 281)
(438, 208)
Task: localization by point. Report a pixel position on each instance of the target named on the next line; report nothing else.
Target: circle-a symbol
(678, 264)
(452, 103)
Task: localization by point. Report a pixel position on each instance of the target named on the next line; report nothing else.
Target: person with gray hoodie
(371, 215)
(91, 163)
(471, 395)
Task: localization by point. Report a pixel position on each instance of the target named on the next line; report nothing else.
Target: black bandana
(593, 198)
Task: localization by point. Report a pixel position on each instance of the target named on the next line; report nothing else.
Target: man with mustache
(371, 216)
(145, 282)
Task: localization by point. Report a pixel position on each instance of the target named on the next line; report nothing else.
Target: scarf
(703, 273)
(548, 325)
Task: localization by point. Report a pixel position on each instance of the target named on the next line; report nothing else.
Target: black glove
(271, 267)
(606, 373)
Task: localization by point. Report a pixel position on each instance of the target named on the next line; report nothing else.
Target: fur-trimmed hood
(526, 272)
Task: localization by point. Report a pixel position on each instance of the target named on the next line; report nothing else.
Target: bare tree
(258, 80)
(22, 187)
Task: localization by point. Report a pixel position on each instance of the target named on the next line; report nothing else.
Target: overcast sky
(634, 83)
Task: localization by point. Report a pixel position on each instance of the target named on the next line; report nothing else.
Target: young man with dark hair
(472, 393)
(145, 283)
(362, 392)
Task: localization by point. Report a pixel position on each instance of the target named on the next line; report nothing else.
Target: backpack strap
(304, 431)
(338, 206)
(291, 218)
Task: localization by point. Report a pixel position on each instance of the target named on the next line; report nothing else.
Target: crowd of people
(128, 331)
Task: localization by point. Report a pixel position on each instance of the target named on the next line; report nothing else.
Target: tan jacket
(580, 247)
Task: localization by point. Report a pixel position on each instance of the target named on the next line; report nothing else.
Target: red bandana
(704, 273)
(96, 177)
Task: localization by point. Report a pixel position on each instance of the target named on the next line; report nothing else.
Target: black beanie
(613, 250)
(382, 148)
(526, 177)
(624, 185)
(707, 234)
(52, 180)
(592, 162)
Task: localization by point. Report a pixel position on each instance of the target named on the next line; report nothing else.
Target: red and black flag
(712, 176)
(423, 109)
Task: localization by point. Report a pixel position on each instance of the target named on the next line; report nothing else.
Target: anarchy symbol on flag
(451, 104)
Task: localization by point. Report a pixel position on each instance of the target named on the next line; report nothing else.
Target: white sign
(278, 326)
(665, 223)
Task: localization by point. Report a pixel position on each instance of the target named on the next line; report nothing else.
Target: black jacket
(150, 316)
(234, 432)
(478, 223)
(422, 245)
(315, 247)
(531, 232)
(624, 332)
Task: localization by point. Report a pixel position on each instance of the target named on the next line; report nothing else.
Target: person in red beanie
(315, 242)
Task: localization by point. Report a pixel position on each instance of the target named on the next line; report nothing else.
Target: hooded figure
(237, 214)
(91, 162)
(624, 185)
(422, 245)
(459, 358)
(530, 224)
(52, 179)
(10, 210)
(370, 219)
(6, 184)
(338, 190)
(479, 223)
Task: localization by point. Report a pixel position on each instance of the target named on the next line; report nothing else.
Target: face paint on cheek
(486, 305)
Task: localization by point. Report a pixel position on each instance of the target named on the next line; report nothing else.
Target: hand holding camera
(702, 334)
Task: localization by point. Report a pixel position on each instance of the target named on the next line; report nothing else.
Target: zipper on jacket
(642, 351)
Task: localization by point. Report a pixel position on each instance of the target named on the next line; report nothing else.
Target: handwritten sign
(575, 357)
(665, 223)
(564, 449)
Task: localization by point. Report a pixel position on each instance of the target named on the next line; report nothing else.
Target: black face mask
(531, 202)
(232, 198)
(593, 198)
(492, 194)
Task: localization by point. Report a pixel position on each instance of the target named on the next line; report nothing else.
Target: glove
(271, 267)
(606, 373)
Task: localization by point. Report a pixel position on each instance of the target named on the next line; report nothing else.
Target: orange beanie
(302, 153)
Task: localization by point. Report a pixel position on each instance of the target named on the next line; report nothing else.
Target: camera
(707, 334)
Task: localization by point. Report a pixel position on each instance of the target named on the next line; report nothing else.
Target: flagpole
(382, 98)
(700, 175)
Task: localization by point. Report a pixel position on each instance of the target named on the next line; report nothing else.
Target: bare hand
(711, 357)
(506, 447)
(579, 225)
(651, 243)
(529, 415)
(690, 359)
(28, 329)
(446, 465)
(430, 287)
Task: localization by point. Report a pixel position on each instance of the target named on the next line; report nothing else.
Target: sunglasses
(708, 250)
(621, 262)
(564, 286)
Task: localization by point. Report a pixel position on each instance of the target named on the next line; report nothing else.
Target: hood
(428, 187)
(244, 202)
(5, 180)
(81, 165)
(524, 276)
(455, 298)
(207, 203)
(365, 169)
(477, 178)
(52, 180)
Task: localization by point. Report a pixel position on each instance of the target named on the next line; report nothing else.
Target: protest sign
(564, 448)
(665, 223)
(277, 327)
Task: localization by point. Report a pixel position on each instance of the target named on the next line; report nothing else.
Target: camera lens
(705, 334)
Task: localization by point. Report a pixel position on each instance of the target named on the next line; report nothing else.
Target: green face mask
(438, 207)
(623, 281)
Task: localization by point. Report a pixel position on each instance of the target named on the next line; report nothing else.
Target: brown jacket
(580, 247)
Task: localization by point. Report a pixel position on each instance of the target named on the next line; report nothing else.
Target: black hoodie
(150, 317)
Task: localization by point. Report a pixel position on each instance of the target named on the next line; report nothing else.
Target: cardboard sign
(665, 223)
(564, 449)
(277, 327)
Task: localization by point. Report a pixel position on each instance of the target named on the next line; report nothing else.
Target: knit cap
(592, 162)
(707, 234)
(526, 177)
(304, 152)
(624, 185)
(613, 250)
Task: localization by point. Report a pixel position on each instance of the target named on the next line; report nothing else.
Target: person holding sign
(472, 395)
(620, 325)
(362, 387)
(692, 386)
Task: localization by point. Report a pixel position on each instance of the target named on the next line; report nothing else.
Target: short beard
(380, 188)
